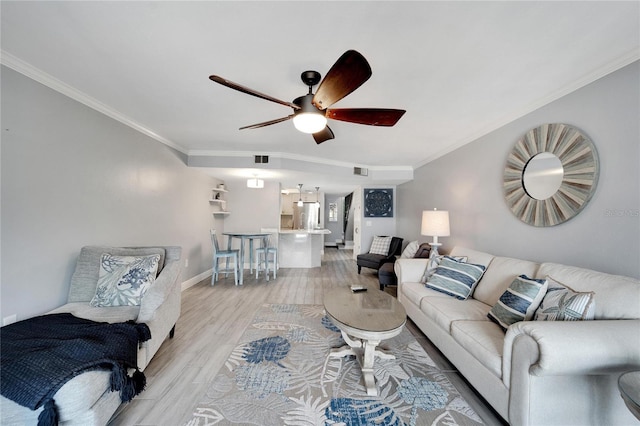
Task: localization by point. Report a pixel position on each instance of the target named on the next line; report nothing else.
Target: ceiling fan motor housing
(310, 78)
(306, 104)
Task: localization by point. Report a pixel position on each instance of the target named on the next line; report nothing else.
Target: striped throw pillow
(455, 278)
(380, 245)
(519, 302)
(434, 262)
(561, 303)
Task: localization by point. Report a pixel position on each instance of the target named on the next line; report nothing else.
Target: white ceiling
(460, 69)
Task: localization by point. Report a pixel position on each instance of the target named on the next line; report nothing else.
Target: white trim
(42, 77)
(195, 280)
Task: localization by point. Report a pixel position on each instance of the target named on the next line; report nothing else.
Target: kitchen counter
(301, 248)
(305, 231)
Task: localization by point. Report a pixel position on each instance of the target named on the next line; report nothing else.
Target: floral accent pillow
(123, 280)
(561, 303)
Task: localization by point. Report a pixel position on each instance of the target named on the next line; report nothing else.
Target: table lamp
(435, 223)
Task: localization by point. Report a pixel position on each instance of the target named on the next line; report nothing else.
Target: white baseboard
(195, 280)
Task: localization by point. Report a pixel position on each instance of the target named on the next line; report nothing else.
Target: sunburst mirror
(550, 175)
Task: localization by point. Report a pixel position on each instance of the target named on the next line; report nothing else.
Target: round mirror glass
(542, 176)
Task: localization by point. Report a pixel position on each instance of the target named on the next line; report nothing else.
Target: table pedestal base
(365, 352)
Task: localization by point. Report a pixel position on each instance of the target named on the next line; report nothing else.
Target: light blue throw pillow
(123, 280)
(455, 277)
(519, 302)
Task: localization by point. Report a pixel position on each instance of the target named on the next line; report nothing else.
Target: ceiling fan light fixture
(309, 122)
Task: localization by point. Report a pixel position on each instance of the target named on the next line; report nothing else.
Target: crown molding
(28, 70)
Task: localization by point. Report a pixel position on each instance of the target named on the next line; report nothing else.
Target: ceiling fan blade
(370, 116)
(345, 76)
(268, 123)
(251, 92)
(323, 135)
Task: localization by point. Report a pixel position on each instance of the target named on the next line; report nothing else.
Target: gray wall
(375, 226)
(73, 177)
(605, 236)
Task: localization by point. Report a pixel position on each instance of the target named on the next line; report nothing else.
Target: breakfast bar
(301, 248)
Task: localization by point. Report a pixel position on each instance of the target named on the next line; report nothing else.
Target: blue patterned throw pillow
(123, 280)
(455, 277)
(518, 302)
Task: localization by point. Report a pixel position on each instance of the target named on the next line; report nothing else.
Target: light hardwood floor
(214, 318)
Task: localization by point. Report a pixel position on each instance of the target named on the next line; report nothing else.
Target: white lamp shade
(435, 223)
(309, 122)
(255, 183)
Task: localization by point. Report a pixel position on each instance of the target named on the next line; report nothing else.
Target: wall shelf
(216, 199)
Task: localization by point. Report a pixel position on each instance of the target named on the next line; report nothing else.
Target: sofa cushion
(85, 277)
(519, 302)
(561, 303)
(482, 339)
(455, 278)
(106, 314)
(499, 276)
(612, 292)
(473, 256)
(380, 245)
(73, 400)
(414, 292)
(123, 280)
(445, 310)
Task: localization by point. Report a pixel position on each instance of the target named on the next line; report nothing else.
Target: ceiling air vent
(360, 171)
(261, 159)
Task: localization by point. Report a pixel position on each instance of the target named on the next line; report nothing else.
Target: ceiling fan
(310, 112)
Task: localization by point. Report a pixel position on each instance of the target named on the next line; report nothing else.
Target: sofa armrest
(574, 347)
(410, 270)
(165, 284)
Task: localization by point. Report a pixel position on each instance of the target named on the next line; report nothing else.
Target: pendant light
(300, 203)
(317, 198)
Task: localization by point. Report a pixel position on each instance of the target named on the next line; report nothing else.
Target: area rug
(280, 374)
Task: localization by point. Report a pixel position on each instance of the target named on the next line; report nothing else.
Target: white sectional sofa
(87, 399)
(538, 372)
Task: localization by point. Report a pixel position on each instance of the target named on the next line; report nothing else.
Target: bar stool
(270, 247)
(223, 254)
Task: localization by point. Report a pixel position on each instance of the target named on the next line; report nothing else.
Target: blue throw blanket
(39, 355)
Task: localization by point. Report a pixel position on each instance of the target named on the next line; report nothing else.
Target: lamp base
(434, 249)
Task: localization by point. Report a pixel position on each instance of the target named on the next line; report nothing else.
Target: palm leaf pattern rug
(280, 374)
